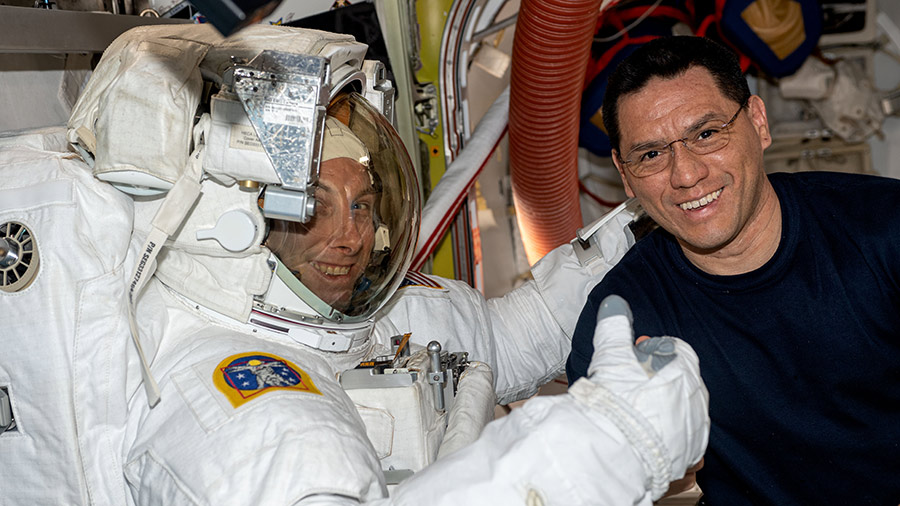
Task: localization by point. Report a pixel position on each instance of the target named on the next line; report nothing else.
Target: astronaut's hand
(652, 392)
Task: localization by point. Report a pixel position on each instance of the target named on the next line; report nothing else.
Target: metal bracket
(444, 367)
(426, 109)
(379, 89)
(587, 247)
(285, 96)
(436, 375)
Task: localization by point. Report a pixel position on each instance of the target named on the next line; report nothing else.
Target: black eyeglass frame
(725, 126)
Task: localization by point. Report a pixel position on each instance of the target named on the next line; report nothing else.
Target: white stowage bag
(136, 113)
(65, 336)
(402, 422)
(406, 429)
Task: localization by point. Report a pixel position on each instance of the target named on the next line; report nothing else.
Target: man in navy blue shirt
(787, 287)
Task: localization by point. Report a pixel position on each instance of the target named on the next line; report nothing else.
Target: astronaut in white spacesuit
(227, 335)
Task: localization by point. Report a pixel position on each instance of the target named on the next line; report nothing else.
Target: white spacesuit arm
(524, 336)
(617, 438)
(533, 325)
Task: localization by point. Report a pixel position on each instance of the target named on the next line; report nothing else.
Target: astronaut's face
(329, 253)
(718, 205)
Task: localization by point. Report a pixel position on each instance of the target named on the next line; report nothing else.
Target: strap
(168, 218)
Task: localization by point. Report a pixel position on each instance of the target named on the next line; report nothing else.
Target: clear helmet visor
(353, 253)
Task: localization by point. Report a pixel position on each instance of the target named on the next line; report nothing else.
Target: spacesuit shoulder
(414, 279)
(268, 419)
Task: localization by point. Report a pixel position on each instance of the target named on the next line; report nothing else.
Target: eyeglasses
(646, 161)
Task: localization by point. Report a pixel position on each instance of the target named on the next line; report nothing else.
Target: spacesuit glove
(652, 392)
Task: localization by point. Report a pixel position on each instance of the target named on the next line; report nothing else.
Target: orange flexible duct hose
(550, 55)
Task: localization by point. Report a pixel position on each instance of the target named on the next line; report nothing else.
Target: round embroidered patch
(244, 376)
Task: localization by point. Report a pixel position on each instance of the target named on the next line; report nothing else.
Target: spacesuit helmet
(349, 258)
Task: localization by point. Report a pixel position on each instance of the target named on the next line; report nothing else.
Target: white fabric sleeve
(553, 450)
(530, 348)
(524, 336)
(565, 280)
(515, 335)
(550, 451)
(518, 335)
(616, 438)
(472, 410)
(532, 326)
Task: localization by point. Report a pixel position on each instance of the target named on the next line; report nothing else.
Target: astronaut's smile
(331, 270)
(702, 201)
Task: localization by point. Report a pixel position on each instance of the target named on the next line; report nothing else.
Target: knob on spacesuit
(353, 253)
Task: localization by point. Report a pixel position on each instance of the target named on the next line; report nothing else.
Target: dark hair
(667, 58)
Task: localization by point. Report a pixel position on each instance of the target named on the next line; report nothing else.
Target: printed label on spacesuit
(246, 376)
(286, 114)
(244, 137)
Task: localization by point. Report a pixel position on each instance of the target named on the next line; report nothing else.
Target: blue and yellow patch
(245, 376)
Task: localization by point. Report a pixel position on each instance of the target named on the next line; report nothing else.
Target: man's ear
(756, 110)
(621, 169)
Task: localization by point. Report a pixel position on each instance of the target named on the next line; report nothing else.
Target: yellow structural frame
(432, 17)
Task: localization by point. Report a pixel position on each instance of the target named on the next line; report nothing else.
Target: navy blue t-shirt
(801, 356)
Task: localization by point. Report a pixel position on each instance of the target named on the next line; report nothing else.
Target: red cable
(550, 59)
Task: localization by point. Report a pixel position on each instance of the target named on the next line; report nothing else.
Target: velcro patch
(245, 376)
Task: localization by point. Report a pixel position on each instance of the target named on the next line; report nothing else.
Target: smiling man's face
(330, 253)
(713, 203)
